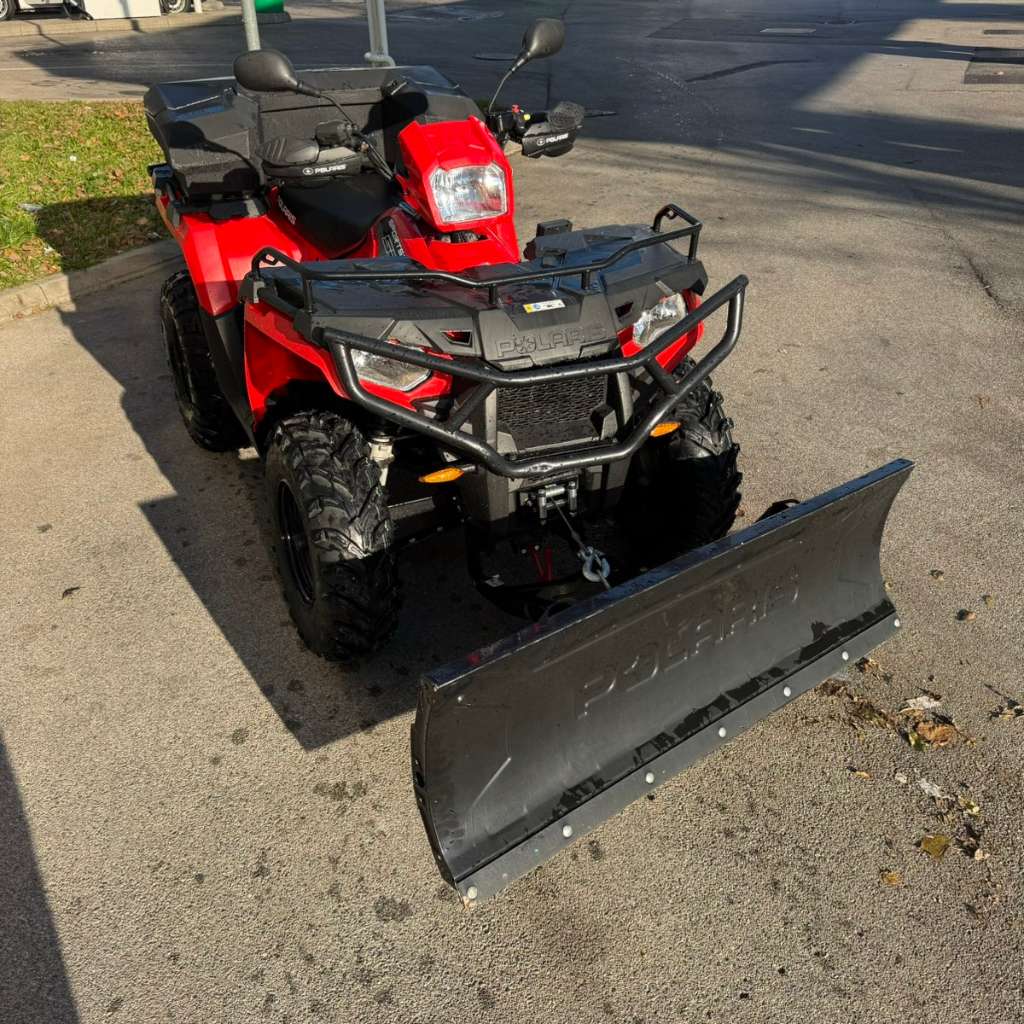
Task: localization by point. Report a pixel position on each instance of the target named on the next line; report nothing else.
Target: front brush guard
(486, 379)
(524, 746)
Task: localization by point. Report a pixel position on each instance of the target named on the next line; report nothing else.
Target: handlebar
(294, 161)
(546, 133)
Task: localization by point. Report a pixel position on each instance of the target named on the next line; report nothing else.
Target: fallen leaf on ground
(936, 734)
(931, 789)
(915, 740)
(860, 774)
(893, 878)
(968, 806)
(934, 845)
(966, 615)
(988, 599)
(937, 574)
(926, 702)
(865, 664)
(1011, 709)
(68, 591)
(867, 711)
(971, 846)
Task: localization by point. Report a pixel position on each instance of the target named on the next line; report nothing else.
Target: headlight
(469, 193)
(389, 373)
(654, 322)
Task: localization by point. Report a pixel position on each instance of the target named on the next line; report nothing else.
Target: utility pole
(378, 54)
(252, 28)
(375, 16)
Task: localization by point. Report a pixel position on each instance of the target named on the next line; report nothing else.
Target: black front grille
(553, 412)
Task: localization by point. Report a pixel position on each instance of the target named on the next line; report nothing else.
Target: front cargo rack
(485, 379)
(487, 277)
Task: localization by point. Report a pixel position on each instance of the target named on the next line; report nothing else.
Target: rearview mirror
(544, 38)
(265, 71)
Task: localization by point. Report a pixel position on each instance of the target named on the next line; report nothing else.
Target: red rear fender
(219, 254)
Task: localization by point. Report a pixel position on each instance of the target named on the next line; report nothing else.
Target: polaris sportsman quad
(355, 306)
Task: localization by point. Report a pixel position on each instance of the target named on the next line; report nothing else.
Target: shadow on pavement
(211, 527)
(715, 82)
(33, 980)
(214, 528)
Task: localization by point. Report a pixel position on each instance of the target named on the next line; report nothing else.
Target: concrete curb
(45, 28)
(65, 289)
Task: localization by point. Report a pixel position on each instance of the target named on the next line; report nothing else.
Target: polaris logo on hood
(549, 341)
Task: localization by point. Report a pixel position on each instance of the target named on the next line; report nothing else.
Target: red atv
(355, 306)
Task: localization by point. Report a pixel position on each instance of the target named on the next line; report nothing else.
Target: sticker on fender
(540, 307)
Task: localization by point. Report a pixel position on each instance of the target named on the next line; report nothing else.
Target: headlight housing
(654, 322)
(389, 373)
(469, 193)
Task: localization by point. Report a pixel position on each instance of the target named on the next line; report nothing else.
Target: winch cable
(595, 565)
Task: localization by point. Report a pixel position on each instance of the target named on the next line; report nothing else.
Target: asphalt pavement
(200, 821)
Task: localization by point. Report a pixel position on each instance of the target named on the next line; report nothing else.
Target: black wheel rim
(296, 542)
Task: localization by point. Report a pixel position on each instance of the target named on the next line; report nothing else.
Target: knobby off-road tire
(208, 416)
(683, 490)
(333, 536)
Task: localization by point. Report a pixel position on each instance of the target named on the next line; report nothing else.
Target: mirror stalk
(519, 62)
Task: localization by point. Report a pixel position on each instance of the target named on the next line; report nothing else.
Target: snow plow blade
(523, 747)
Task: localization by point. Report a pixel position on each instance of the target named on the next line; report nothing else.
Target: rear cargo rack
(271, 258)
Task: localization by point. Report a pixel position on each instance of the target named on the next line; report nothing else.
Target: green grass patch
(84, 166)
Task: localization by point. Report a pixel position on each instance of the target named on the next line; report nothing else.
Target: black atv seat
(336, 214)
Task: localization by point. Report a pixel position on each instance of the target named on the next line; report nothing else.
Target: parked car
(8, 8)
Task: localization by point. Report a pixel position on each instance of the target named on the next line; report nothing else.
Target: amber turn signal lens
(442, 476)
(664, 428)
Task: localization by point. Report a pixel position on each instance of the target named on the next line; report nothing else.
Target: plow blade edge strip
(524, 746)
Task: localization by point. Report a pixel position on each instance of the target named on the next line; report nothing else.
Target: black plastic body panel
(210, 130)
(513, 333)
(224, 338)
